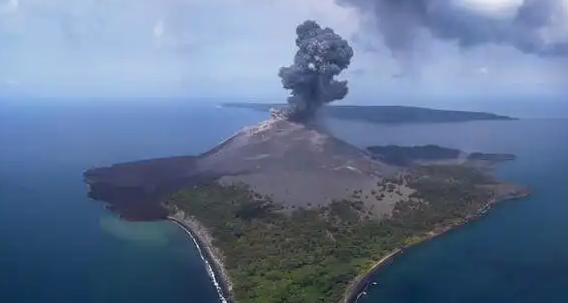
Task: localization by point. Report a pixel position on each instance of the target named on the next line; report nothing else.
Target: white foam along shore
(208, 253)
(358, 286)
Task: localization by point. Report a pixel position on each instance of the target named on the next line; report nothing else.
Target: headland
(358, 286)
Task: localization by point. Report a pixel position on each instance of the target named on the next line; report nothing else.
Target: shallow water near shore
(59, 246)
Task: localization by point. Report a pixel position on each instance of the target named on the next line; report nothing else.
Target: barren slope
(297, 165)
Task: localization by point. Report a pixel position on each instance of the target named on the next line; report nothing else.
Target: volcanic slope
(295, 164)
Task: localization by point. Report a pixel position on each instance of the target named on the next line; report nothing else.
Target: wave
(208, 266)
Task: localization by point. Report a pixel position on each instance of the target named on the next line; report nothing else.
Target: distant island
(385, 114)
(406, 155)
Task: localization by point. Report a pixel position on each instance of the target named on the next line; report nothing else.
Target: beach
(210, 255)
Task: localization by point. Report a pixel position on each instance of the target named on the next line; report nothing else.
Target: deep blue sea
(56, 245)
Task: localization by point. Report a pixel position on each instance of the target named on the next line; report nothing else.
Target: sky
(234, 48)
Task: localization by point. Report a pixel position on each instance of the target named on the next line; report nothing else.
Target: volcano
(297, 165)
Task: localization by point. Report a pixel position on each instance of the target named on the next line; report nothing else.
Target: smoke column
(536, 27)
(322, 54)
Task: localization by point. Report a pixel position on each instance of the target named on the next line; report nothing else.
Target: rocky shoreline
(360, 284)
(210, 254)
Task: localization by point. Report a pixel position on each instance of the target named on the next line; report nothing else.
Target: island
(386, 114)
(285, 212)
(403, 155)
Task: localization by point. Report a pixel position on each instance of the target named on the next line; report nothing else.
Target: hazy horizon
(76, 49)
(526, 107)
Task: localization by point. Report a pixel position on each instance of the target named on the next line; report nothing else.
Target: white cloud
(224, 48)
(494, 8)
(158, 29)
(9, 7)
(9, 82)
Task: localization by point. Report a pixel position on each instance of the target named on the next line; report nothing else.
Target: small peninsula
(386, 114)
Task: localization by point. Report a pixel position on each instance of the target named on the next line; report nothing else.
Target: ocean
(56, 245)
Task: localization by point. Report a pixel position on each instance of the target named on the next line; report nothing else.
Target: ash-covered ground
(296, 164)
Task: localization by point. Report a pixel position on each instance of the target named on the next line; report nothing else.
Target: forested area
(274, 255)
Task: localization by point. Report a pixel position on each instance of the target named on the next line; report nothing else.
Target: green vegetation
(275, 255)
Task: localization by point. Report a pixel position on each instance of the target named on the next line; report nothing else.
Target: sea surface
(56, 245)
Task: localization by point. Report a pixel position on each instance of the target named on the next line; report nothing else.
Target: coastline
(213, 257)
(356, 288)
(209, 254)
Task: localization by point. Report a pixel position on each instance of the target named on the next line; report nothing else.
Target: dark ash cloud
(322, 55)
(401, 21)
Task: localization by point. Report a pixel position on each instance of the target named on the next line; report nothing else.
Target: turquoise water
(59, 246)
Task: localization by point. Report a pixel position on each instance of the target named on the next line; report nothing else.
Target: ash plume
(322, 55)
(535, 27)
